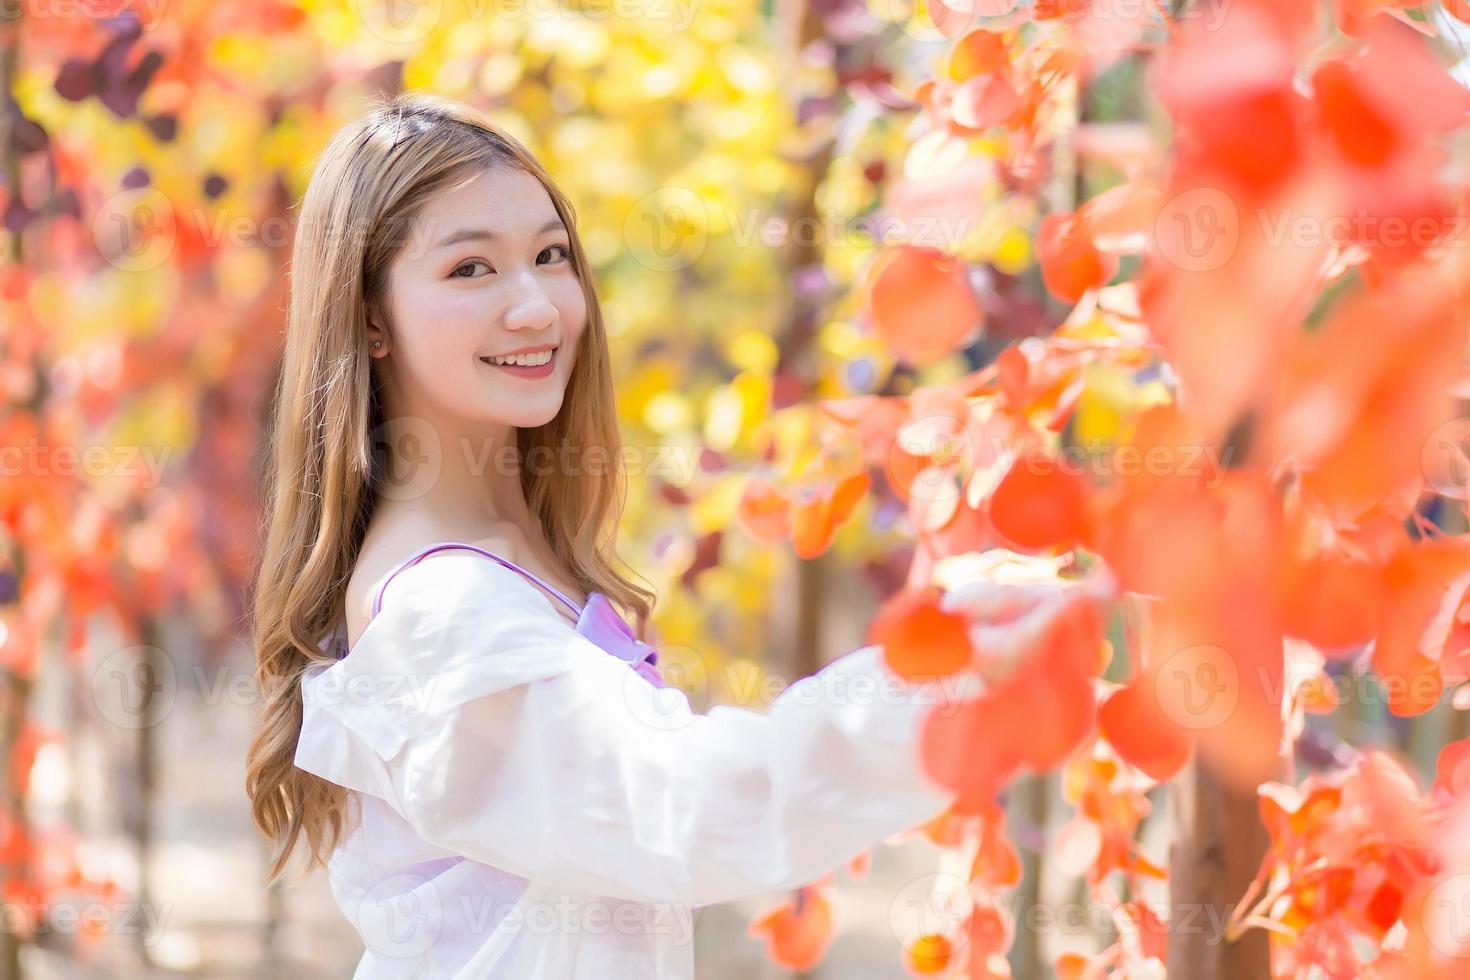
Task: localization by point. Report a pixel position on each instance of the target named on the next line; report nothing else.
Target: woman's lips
(539, 371)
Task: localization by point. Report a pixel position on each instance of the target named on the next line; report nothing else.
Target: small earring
(377, 344)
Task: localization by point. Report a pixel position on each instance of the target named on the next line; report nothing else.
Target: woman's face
(486, 271)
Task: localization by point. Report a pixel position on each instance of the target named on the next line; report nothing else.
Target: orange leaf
(1136, 726)
(1039, 505)
(1332, 598)
(949, 828)
(1070, 263)
(849, 493)
(922, 304)
(764, 512)
(1452, 768)
(920, 640)
(1034, 716)
(996, 864)
(979, 52)
(1398, 88)
(1053, 9)
(990, 935)
(797, 931)
(1362, 394)
(1363, 135)
(815, 519)
(812, 527)
(1152, 932)
(1424, 588)
(1072, 966)
(1384, 906)
(928, 954)
(1229, 88)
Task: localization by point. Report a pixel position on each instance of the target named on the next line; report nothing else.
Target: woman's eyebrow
(486, 234)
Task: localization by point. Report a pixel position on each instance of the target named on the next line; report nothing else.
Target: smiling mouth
(552, 352)
(530, 371)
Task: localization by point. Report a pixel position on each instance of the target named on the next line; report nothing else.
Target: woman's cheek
(457, 324)
(573, 309)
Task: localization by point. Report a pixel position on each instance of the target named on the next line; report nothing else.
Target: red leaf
(797, 931)
(922, 304)
(1452, 768)
(1034, 716)
(1229, 88)
(1364, 137)
(815, 519)
(1039, 505)
(764, 512)
(919, 639)
(1070, 263)
(1424, 587)
(1135, 724)
(979, 52)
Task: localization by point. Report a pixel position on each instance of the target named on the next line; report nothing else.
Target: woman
(496, 777)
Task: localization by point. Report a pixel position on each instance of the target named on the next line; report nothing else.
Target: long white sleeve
(500, 733)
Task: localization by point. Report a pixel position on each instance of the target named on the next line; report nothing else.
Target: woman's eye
(459, 271)
(467, 265)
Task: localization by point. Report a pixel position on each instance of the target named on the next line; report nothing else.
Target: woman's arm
(517, 742)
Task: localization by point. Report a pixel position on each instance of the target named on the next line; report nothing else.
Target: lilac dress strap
(431, 549)
(598, 621)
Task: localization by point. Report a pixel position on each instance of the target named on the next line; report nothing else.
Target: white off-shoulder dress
(533, 808)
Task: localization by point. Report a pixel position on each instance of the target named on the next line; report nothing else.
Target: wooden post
(799, 25)
(1217, 847)
(146, 762)
(802, 26)
(1030, 801)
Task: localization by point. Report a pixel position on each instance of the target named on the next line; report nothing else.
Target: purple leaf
(27, 136)
(163, 127)
(76, 81)
(69, 204)
(17, 215)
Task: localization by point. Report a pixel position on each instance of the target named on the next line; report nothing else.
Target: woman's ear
(376, 334)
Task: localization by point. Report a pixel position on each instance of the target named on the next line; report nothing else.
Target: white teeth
(523, 360)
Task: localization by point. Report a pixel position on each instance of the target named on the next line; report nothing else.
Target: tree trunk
(1217, 848)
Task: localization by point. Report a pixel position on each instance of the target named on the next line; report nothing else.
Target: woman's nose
(530, 307)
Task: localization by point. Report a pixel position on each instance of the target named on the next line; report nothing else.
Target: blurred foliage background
(817, 228)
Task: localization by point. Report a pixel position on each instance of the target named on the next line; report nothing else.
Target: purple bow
(600, 623)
